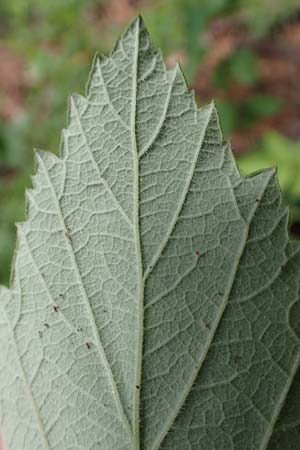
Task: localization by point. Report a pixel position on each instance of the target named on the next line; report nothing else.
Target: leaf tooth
(214, 125)
(229, 165)
(45, 157)
(179, 75)
(78, 105)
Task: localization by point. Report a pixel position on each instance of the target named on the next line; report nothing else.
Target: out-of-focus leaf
(278, 151)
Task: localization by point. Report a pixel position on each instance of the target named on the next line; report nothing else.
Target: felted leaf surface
(154, 301)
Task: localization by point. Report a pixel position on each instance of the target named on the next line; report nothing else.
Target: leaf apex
(137, 24)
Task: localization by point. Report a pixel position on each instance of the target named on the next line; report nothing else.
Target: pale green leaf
(154, 296)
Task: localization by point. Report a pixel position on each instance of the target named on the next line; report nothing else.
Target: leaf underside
(154, 301)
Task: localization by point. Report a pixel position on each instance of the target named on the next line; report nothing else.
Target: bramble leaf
(154, 301)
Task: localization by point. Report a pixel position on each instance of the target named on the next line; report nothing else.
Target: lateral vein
(103, 181)
(214, 329)
(89, 308)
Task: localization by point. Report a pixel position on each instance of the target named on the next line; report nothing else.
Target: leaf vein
(103, 181)
(180, 203)
(89, 308)
(214, 329)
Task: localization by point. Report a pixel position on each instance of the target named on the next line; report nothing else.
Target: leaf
(154, 298)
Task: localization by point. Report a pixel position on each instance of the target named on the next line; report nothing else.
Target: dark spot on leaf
(88, 345)
(198, 253)
(55, 307)
(46, 325)
(137, 386)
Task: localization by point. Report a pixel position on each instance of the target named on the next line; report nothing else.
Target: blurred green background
(244, 54)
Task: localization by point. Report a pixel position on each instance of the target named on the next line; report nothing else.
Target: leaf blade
(145, 273)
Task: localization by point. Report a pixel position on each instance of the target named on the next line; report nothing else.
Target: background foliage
(246, 55)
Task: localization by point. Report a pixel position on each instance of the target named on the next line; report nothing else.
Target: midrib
(140, 282)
